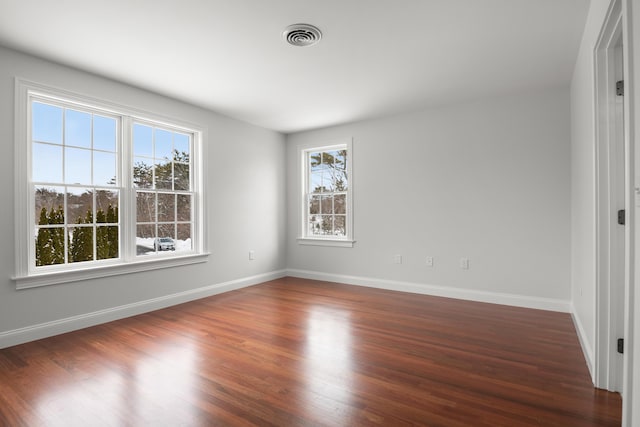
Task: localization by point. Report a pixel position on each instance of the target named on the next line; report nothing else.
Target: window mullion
(94, 217)
(128, 192)
(65, 221)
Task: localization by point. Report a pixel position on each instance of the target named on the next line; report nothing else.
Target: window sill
(340, 243)
(53, 278)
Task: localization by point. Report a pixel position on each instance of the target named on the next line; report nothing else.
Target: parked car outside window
(164, 244)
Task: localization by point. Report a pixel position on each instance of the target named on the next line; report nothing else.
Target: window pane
(315, 162)
(46, 123)
(321, 225)
(142, 140)
(327, 224)
(329, 158)
(164, 175)
(166, 207)
(107, 242)
(339, 203)
(77, 164)
(49, 205)
(145, 236)
(104, 133)
(163, 145)
(181, 177)
(142, 173)
(340, 180)
(327, 161)
(104, 168)
(314, 205)
(327, 181)
(77, 129)
(80, 206)
(326, 204)
(47, 163)
(184, 207)
(107, 202)
(80, 244)
(181, 144)
(145, 207)
(340, 225)
(49, 244)
(167, 230)
(101, 215)
(315, 183)
(341, 160)
(315, 224)
(180, 157)
(183, 240)
(330, 180)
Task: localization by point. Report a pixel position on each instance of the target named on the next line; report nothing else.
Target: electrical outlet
(397, 259)
(252, 255)
(464, 263)
(430, 261)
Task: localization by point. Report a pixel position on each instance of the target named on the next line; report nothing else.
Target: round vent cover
(302, 35)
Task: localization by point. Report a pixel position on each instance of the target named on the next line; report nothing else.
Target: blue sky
(48, 150)
(70, 161)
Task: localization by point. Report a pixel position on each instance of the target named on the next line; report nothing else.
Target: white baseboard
(440, 291)
(48, 329)
(586, 350)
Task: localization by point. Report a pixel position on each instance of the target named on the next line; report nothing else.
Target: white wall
(487, 180)
(245, 167)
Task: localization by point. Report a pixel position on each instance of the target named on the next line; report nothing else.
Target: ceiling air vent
(302, 35)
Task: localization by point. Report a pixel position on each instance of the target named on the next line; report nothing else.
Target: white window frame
(26, 274)
(303, 164)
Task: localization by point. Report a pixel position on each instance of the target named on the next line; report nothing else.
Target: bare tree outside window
(328, 183)
(162, 177)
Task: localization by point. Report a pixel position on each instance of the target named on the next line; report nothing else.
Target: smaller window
(326, 194)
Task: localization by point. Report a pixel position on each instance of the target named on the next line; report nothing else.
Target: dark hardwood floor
(295, 352)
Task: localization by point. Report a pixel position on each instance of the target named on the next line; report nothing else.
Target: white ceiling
(377, 57)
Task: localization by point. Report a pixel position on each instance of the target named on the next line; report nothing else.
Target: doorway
(612, 189)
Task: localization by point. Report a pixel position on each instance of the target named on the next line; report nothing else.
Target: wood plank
(294, 352)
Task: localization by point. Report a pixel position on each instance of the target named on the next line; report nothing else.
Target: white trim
(326, 242)
(33, 281)
(48, 329)
(21, 183)
(584, 343)
(539, 303)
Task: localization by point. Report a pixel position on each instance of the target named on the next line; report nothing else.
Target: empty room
(337, 213)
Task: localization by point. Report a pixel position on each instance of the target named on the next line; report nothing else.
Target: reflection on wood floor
(296, 352)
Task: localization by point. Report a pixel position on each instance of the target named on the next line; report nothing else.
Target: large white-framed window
(102, 189)
(327, 188)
